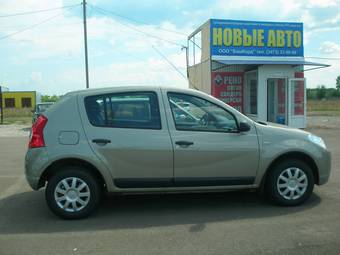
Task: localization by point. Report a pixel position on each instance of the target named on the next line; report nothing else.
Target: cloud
(329, 47)
(36, 77)
(152, 71)
(324, 76)
(120, 54)
(321, 3)
(64, 35)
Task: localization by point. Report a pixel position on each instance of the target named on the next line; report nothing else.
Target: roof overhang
(258, 61)
(271, 62)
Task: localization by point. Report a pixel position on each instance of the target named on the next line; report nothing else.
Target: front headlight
(317, 140)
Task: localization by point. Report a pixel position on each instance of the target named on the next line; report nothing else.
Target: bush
(321, 92)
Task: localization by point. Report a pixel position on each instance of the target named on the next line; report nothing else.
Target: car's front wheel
(72, 193)
(290, 183)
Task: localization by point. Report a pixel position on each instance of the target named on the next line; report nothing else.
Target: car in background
(151, 139)
(40, 108)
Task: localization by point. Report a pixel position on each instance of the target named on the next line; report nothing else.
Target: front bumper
(324, 166)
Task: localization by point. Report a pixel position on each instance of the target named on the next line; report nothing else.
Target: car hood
(270, 128)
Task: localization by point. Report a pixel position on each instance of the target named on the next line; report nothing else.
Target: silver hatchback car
(151, 139)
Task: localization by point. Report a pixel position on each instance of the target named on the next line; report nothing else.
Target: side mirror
(244, 126)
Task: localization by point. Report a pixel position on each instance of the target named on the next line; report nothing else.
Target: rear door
(128, 131)
(208, 149)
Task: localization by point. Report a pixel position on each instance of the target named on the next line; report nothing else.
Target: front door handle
(184, 143)
(101, 141)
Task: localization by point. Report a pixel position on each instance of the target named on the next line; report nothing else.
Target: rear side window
(124, 110)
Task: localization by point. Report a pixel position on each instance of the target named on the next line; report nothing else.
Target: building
(20, 99)
(256, 67)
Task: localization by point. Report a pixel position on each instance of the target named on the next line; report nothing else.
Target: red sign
(228, 87)
(281, 96)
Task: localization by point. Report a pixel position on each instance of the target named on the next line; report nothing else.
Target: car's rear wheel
(73, 193)
(290, 183)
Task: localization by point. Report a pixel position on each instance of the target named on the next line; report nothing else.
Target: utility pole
(85, 43)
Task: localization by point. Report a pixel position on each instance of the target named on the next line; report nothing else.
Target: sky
(49, 57)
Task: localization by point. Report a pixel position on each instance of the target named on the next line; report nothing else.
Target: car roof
(95, 91)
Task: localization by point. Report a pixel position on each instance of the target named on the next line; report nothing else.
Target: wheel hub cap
(292, 183)
(72, 194)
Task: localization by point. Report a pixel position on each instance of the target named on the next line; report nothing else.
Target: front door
(277, 100)
(208, 149)
(128, 132)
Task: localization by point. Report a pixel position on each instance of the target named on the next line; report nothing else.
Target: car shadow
(28, 213)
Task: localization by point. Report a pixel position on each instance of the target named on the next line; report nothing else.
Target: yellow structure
(20, 99)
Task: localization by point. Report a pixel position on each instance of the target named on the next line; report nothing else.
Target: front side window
(124, 110)
(197, 114)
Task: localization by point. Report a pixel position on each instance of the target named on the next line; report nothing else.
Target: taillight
(37, 133)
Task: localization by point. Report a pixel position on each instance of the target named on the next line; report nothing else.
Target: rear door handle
(101, 141)
(184, 143)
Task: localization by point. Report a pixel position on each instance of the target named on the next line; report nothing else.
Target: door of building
(277, 100)
(250, 101)
(297, 103)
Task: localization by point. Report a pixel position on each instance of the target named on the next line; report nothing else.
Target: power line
(144, 23)
(31, 27)
(169, 62)
(139, 21)
(140, 31)
(153, 36)
(37, 11)
(173, 66)
(28, 28)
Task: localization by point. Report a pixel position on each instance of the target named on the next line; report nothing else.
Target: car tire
(73, 193)
(290, 183)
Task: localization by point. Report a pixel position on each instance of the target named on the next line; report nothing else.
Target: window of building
(195, 49)
(124, 110)
(9, 102)
(26, 102)
(197, 114)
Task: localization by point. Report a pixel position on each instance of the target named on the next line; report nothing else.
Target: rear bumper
(35, 163)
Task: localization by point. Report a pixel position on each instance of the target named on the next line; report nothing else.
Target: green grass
(328, 107)
(18, 120)
(18, 116)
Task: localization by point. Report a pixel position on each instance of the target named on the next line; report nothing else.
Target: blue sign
(256, 38)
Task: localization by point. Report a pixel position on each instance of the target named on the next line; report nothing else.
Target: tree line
(47, 98)
(321, 92)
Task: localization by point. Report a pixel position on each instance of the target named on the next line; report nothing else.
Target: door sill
(182, 182)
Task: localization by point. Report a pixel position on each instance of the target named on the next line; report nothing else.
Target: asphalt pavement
(214, 223)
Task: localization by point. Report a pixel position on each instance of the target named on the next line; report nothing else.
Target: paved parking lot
(223, 223)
